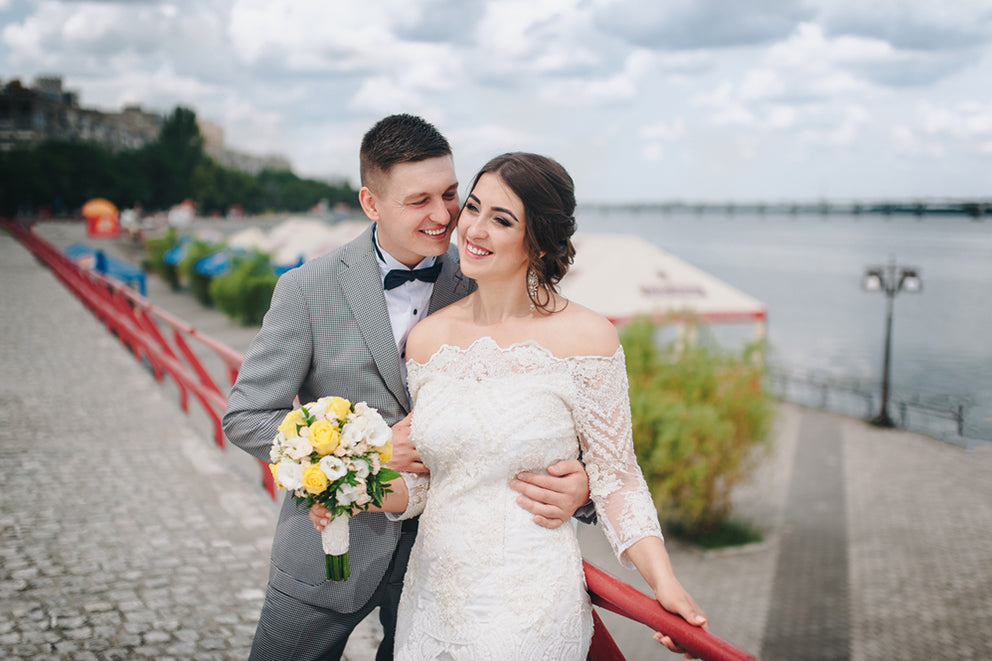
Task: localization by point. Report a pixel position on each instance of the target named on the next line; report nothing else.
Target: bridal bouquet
(331, 453)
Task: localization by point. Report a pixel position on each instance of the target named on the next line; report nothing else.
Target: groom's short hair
(399, 139)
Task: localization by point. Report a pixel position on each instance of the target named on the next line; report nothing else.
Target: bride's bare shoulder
(432, 332)
(582, 332)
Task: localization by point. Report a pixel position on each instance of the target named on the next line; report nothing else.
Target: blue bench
(175, 255)
(94, 258)
(219, 263)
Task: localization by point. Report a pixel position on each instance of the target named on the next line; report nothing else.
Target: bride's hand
(675, 599)
(405, 459)
(320, 516)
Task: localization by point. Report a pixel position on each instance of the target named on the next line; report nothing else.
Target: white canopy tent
(623, 276)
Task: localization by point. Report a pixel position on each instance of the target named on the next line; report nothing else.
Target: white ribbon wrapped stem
(334, 536)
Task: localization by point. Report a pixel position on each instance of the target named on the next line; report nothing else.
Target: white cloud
(916, 25)
(305, 35)
(696, 24)
(664, 131)
(700, 98)
(966, 121)
(843, 131)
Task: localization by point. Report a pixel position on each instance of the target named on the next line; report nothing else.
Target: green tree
(170, 160)
(58, 176)
(61, 176)
(215, 188)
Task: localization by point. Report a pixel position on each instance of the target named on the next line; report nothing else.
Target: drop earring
(531, 287)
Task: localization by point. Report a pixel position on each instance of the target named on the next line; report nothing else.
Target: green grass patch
(725, 534)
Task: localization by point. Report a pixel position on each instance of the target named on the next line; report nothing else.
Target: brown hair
(548, 196)
(399, 139)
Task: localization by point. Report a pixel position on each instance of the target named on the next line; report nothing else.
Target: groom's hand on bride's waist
(555, 497)
(405, 459)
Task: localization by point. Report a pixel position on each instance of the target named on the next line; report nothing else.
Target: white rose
(377, 432)
(333, 467)
(353, 493)
(360, 466)
(354, 431)
(319, 408)
(298, 448)
(290, 475)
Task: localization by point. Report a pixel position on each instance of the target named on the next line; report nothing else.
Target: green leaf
(387, 474)
(308, 417)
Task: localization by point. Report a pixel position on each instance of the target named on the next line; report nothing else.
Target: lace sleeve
(617, 487)
(417, 485)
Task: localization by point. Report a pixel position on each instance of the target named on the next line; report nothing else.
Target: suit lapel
(361, 283)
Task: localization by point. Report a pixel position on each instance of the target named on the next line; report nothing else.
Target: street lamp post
(890, 280)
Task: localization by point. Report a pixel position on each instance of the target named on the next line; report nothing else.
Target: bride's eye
(471, 207)
(503, 221)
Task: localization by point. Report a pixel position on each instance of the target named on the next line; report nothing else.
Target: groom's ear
(369, 204)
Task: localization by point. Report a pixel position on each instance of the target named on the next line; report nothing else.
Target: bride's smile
(491, 232)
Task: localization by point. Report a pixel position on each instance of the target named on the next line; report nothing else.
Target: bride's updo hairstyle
(548, 196)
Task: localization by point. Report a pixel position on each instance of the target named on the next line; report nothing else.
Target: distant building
(213, 145)
(45, 111)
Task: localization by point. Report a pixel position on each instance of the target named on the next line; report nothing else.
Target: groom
(337, 326)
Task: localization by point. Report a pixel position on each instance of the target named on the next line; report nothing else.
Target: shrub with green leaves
(198, 284)
(154, 261)
(245, 292)
(700, 419)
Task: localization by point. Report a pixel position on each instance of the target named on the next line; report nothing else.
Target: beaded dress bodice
(484, 581)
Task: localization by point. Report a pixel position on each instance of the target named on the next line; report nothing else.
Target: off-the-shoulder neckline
(488, 339)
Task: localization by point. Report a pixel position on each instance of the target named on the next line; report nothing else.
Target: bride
(513, 378)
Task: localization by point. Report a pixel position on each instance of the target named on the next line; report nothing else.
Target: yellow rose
(324, 437)
(290, 423)
(340, 407)
(274, 469)
(386, 453)
(314, 480)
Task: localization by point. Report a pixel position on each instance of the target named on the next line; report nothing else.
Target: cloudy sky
(642, 100)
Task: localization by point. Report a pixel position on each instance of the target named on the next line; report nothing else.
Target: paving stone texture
(126, 533)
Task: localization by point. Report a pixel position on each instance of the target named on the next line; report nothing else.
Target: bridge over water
(975, 208)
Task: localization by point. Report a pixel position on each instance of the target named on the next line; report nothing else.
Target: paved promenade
(125, 533)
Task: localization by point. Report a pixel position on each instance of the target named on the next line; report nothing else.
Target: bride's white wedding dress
(485, 581)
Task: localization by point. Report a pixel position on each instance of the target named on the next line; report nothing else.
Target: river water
(807, 270)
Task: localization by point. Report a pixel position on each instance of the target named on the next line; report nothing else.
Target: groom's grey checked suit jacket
(327, 332)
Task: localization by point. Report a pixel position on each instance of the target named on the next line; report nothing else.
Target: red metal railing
(146, 329)
(609, 592)
(151, 333)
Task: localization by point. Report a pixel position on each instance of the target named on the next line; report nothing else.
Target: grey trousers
(290, 630)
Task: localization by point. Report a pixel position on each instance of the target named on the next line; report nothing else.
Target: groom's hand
(320, 516)
(553, 498)
(405, 459)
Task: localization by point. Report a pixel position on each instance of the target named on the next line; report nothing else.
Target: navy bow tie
(397, 277)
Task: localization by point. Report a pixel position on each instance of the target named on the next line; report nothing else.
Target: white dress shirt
(408, 303)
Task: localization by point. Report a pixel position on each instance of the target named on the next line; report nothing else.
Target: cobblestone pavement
(122, 534)
(144, 540)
